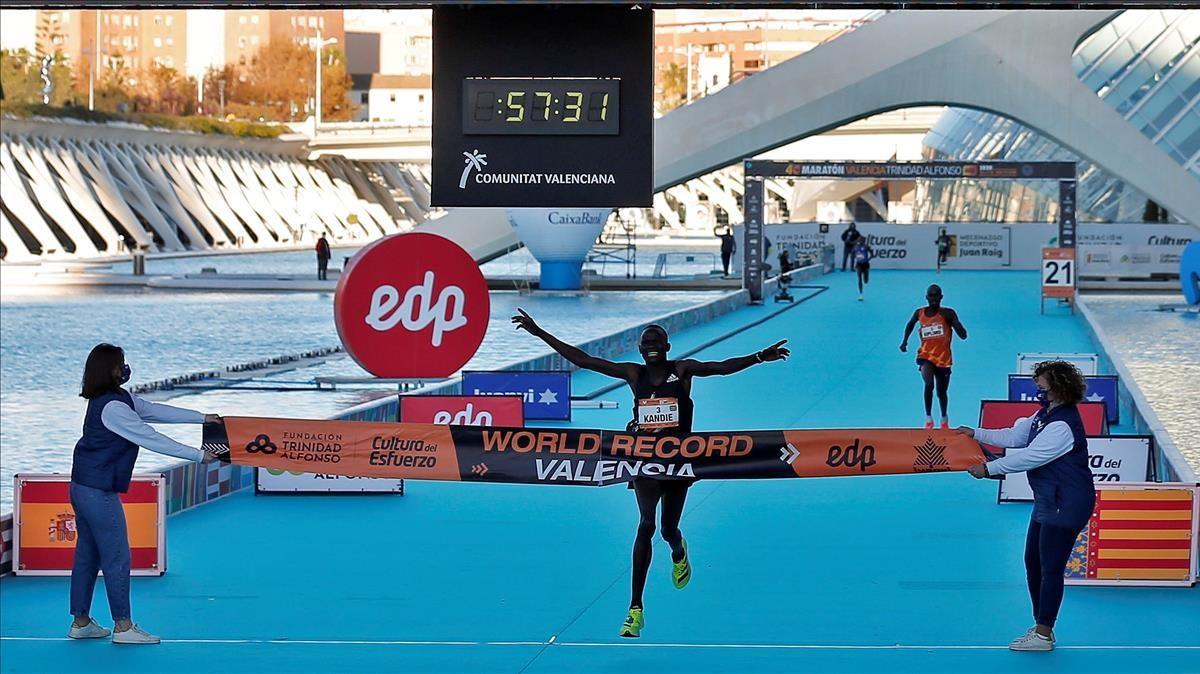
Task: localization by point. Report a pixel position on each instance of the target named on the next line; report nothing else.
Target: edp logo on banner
(1100, 389)
(506, 411)
(547, 395)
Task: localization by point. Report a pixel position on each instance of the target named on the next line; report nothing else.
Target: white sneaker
(1032, 641)
(89, 631)
(134, 635)
(1029, 631)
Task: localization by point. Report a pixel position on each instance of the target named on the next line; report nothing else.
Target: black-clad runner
(662, 391)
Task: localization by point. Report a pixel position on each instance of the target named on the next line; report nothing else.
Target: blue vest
(1063, 493)
(103, 460)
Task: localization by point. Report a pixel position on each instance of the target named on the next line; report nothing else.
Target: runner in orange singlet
(933, 357)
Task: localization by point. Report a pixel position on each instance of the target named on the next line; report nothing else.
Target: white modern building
(402, 100)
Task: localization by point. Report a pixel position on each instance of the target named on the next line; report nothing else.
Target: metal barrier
(660, 265)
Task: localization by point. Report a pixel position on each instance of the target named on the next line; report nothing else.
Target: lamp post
(95, 66)
(318, 43)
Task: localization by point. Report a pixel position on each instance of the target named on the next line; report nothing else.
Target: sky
(17, 28)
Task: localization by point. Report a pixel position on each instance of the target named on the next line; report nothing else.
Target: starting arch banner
(579, 456)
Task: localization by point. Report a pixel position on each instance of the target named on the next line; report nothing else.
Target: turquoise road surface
(917, 573)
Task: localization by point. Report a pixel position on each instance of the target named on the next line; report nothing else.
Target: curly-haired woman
(1055, 459)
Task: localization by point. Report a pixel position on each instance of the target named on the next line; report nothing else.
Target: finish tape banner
(578, 456)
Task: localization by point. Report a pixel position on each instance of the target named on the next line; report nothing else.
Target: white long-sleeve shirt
(1055, 440)
(131, 425)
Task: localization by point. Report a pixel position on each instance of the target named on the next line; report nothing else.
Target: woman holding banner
(1055, 458)
(114, 426)
(662, 405)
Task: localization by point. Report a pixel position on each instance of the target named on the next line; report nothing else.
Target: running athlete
(933, 357)
(862, 254)
(943, 247)
(662, 396)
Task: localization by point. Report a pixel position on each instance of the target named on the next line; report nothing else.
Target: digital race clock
(542, 106)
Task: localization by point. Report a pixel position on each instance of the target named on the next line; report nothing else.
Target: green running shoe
(681, 571)
(632, 628)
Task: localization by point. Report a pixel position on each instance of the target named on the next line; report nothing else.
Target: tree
(163, 90)
(335, 87)
(19, 76)
(278, 83)
(114, 88)
(49, 36)
(219, 85)
(674, 87)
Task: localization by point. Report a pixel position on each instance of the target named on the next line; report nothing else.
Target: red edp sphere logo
(412, 305)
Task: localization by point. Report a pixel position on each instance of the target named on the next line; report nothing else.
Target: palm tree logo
(476, 161)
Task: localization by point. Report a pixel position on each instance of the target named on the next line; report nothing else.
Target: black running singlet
(665, 407)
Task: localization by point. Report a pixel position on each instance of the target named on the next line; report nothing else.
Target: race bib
(657, 413)
(932, 331)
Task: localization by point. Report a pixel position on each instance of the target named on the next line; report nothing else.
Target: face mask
(125, 372)
(1042, 399)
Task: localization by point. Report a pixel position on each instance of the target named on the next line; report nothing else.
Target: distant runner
(933, 357)
(943, 248)
(862, 254)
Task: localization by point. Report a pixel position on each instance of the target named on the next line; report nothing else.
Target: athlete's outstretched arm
(957, 325)
(574, 354)
(709, 368)
(908, 331)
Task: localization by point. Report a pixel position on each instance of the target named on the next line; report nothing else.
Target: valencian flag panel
(578, 456)
(1137, 533)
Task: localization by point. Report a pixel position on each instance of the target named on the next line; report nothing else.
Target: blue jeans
(102, 545)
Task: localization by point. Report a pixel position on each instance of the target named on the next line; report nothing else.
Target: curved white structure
(78, 191)
(1014, 63)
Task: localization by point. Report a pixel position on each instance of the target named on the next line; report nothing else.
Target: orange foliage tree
(277, 84)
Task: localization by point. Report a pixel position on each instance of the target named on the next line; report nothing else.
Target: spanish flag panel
(49, 532)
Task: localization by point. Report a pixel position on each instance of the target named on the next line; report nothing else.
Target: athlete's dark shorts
(664, 485)
(864, 269)
(674, 482)
(943, 371)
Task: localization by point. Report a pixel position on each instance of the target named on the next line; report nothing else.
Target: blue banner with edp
(1100, 388)
(547, 394)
